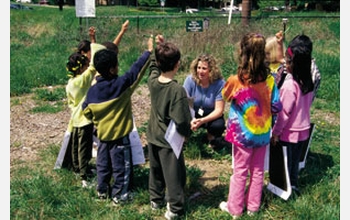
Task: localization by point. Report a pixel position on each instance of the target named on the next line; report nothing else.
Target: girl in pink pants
(254, 97)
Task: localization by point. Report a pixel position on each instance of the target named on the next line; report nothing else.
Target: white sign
(85, 8)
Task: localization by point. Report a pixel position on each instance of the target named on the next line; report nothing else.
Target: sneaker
(102, 196)
(127, 197)
(156, 206)
(116, 201)
(251, 213)
(223, 207)
(86, 184)
(170, 215)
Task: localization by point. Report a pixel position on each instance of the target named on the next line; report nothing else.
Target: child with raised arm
(167, 177)
(76, 89)
(274, 53)
(254, 96)
(112, 45)
(81, 128)
(108, 105)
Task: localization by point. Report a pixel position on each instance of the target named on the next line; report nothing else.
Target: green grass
(41, 41)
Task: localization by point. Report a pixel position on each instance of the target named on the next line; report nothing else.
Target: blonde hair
(272, 48)
(214, 70)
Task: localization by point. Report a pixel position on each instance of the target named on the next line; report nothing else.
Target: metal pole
(230, 14)
(284, 20)
(80, 26)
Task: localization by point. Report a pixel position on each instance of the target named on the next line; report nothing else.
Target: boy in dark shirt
(168, 103)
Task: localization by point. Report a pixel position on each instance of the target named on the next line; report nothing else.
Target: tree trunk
(246, 9)
(286, 5)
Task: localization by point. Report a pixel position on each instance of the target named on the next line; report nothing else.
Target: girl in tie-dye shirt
(254, 96)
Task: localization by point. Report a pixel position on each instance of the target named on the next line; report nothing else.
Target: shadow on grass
(315, 169)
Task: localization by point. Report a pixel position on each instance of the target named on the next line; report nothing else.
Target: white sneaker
(115, 201)
(250, 213)
(170, 215)
(101, 196)
(156, 206)
(85, 184)
(223, 207)
(94, 150)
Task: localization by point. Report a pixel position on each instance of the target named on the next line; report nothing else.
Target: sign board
(85, 8)
(194, 26)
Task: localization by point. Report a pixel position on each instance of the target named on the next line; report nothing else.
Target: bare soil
(32, 132)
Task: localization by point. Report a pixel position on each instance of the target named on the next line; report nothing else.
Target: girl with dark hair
(292, 125)
(81, 75)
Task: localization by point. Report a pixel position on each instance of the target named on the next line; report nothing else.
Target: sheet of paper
(278, 171)
(64, 159)
(175, 139)
(306, 148)
(138, 156)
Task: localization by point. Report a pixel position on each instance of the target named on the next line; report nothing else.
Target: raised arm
(279, 52)
(121, 33)
(92, 35)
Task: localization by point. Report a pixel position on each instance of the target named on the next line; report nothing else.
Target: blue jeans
(114, 159)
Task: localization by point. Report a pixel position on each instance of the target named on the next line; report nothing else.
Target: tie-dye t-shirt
(252, 105)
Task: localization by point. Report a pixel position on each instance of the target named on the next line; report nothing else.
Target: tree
(246, 12)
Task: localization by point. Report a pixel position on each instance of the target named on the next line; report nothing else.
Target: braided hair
(75, 63)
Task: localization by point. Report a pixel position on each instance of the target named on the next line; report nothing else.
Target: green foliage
(149, 3)
(49, 107)
(39, 49)
(264, 4)
(49, 100)
(50, 94)
(195, 149)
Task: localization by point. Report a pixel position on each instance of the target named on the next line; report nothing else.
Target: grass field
(40, 43)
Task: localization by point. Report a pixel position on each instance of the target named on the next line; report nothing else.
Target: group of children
(255, 95)
(284, 89)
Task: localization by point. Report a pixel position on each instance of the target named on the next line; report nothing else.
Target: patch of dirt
(32, 132)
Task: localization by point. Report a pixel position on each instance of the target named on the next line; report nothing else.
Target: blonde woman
(204, 86)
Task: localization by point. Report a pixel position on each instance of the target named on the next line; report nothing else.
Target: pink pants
(252, 160)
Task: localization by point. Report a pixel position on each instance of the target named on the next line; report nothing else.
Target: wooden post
(246, 5)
